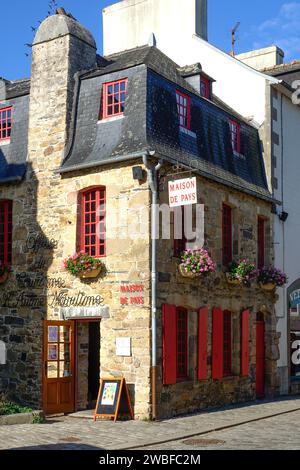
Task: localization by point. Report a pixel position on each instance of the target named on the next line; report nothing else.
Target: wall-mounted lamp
(283, 216)
(138, 173)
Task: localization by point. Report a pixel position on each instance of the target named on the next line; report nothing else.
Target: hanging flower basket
(196, 264)
(270, 278)
(185, 273)
(90, 274)
(242, 273)
(267, 287)
(84, 266)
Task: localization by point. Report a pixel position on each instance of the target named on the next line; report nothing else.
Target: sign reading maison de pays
(183, 192)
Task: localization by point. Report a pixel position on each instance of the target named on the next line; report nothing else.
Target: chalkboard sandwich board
(113, 400)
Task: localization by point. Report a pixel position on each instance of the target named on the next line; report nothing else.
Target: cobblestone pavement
(277, 433)
(281, 428)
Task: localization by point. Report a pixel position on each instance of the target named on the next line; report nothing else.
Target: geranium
(81, 262)
(244, 272)
(272, 275)
(198, 262)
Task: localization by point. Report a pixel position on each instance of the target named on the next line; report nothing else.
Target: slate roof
(13, 157)
(150, 122)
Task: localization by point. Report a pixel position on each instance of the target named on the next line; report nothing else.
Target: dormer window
(5, 124)
(205, 87)
(114, 95)
(184, 109)
(235, 130)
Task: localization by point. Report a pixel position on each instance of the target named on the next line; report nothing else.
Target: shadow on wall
(23, 297)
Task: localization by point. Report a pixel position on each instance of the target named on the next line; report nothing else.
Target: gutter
(109, 161)
(152, 171)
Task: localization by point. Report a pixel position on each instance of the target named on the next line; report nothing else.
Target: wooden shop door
(260, 358)
(59, 367)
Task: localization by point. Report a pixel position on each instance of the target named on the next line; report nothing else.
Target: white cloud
(282, 30)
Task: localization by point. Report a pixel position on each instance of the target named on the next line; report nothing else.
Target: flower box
(270, 277)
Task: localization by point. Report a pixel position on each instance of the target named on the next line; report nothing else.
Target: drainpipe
(152, 171)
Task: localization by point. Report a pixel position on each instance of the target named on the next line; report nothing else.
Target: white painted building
(179, 28)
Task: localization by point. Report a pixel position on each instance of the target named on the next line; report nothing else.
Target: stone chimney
(261, 59)
(172, 22)
(61, 48)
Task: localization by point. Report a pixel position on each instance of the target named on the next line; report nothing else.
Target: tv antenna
(233, 38)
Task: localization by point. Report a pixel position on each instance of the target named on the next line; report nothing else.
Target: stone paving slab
(70, 433)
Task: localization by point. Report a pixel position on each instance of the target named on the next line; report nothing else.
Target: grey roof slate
(150, 122)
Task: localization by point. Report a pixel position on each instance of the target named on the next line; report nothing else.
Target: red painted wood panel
(245, 338)
(169, 345)
(217, 343)
(202, 343)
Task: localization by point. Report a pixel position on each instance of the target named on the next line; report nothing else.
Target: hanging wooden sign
(113, 400)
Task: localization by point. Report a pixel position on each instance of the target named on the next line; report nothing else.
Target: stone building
(80, 144)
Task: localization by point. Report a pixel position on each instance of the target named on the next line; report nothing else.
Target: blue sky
(263, 23)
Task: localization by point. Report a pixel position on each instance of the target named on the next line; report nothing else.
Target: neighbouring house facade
(245, 83)
(76, 142)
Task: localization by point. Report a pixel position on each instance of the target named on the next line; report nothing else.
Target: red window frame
(93, 222)
(184, 109)
(227, 344)
(5, 123)
(180, 243)
(235, 131)
(226, 234)
(261, 242)
(182, 343)
(113, 98)
(6, 232)
(205, 87)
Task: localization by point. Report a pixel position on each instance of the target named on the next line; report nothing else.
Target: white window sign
(123, 347)
(183, 192)
(2, 353)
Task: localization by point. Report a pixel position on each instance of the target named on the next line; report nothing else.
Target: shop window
(227, 344)
(227, 235)
(175, 344)
(205, 87)
(6, 232)
(5, 124)
(113, 99)
(261, 242)
(235, 130)
(184, 109)
(92, 222)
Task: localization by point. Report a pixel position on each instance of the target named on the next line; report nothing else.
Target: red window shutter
(217, 343)
(245, 337)
(169, 345)
(202, 343)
